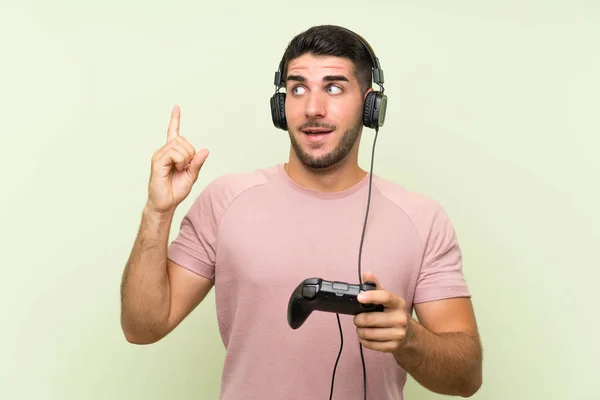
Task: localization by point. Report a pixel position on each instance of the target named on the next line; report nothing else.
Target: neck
(336, 178)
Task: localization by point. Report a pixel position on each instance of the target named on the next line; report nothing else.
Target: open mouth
(314, 135)
(317, 131)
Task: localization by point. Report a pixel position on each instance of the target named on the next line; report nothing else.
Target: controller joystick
(316, 294)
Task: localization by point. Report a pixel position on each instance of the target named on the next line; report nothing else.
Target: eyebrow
(328, 78)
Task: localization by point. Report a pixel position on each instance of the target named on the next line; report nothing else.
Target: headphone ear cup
(278, 111)
(368, 108)
(374, 109)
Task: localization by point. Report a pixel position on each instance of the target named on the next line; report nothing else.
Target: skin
(441, 351)
(156, 293)
(314, 100)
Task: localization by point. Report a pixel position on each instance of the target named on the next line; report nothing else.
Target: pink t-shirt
(258, 235)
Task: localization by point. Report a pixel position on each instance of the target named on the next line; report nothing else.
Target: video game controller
(316, 294)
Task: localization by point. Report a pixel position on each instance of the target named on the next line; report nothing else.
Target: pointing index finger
(173, 130)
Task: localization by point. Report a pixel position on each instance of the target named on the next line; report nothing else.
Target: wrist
(409, 354)
(153, 214)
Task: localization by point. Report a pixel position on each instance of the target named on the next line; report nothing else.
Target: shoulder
(425, 212)
(411, 202)
(222, 191)
(233, 184)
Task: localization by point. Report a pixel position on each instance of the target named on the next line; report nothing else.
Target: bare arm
(442, 351)
(156, 294)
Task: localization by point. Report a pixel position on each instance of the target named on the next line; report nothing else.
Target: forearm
(145, 290)
(445, 363)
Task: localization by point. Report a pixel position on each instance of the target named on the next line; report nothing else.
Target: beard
(336, 155)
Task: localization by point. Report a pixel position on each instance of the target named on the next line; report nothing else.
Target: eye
(297, 90)
(334, 89)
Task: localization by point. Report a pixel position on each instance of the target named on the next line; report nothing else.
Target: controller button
(340, 286)
(311, 281)
(309, 292)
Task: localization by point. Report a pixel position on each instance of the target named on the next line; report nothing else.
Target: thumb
(197, 162)
(370, 276)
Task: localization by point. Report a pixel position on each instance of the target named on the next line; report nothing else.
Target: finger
(384, 297)
(377, 320)
(386, 347)
(188, 146)
(173, 130)
(381, 334)
(165, 148)
(171, 157)
(370, 276)
(196, 164)
(186, 151)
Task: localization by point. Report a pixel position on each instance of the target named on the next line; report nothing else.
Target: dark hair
(331, 40)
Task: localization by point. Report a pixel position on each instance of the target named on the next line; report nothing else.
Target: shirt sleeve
(194, 247)
(441, 275)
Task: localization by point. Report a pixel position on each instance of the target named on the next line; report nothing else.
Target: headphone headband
(377, 71)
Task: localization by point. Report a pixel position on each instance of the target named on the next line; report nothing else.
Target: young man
(255, 236)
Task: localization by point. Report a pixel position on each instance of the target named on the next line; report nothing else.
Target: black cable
(339, 354)
(362, 239)
(364, 371)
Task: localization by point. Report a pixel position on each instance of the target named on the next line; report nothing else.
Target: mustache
(315, 124)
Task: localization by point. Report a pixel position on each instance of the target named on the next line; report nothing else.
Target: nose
(315, 105)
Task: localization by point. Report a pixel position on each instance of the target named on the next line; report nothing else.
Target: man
(255, 236)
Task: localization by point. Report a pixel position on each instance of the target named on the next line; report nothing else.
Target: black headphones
(374, 106)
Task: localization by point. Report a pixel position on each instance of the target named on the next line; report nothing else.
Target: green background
(493, 111)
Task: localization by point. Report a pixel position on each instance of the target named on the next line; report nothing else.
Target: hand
(384, 331)
(175, 168)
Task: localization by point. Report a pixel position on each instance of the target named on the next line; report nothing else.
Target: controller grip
(316, 294)
(298, 311)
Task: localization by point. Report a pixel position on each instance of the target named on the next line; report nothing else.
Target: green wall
(493, 111)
